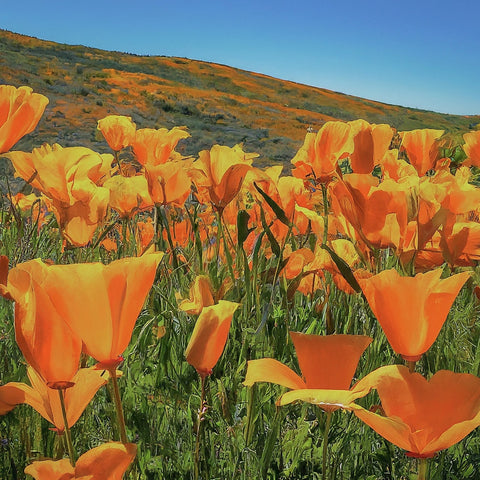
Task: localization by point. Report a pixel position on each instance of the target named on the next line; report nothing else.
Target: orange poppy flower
(71, 178)
(201, 295)
(318, 158)
(169, 183)
(10, 397)
(419, 415)
(220, 171)
(99, 303)
(412, 310)
(118, 131)
(46, 341)
(472, 147)
(370, 144)
(154, 147)
(327, 362)
(106, 462)
(422, 148)
(20, 112)
(128, 195)
(209, 336)
(46, 400)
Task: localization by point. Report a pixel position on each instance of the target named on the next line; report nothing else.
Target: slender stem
(249, 425)
(411, 366)
(117, 160)
(201, 417)
(166, 225)
(68, 437)
(325, 213)
(325, 445)
(225, 246)
(422, 468)
(118, 406)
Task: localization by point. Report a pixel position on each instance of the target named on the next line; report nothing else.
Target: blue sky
(422, 54)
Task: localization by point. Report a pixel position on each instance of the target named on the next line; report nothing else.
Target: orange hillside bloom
(128, 195)
(10, 397)
(20, 112)
(100, 303)
(46, 400)
(71, 177)
(46, 341)
(412, 310)
(370, 144)
(422, 148)
(419, 415)
(201, 295)
(318, 157)
(221, 171)
(106, 462)
(472, 147)
(327, 362)
(209, 336)
(154, 147)
(169, 183)
(118, 131)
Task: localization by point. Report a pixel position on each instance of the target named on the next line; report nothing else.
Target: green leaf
(345, 270)
(274, 206)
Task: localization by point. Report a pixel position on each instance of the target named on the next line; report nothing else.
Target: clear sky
(415, 53)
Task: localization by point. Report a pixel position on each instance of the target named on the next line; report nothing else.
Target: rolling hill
(218, 103)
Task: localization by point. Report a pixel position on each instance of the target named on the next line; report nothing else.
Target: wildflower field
(173, 317)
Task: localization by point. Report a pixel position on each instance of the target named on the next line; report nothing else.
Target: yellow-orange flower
(419, 415)
(422, 148)
(472, 147)
(209, 336)
(46, 400)
(201, 295)
(71, 177)
(327, 362)
(20, 112)
(412, 310)
(118, 131)
(106, 462)
(221, 171)
(318, 158)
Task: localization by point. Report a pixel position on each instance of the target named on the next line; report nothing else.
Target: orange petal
(273, 371)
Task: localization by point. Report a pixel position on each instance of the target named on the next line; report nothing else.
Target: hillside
(218, 103)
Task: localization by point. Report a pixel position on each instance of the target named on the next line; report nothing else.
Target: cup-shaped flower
(422, 148)
(328, 364)
(71, 178)
(118, 130)
(154, 147)
(128, 195)
(106, 462)
(20, 112)
(419, 415)
(412, 310)
(46, 401)
(472, 147)
(221, 171)
(48, 344)
(201, 295)
(209, 336)
(317, 159)
(100, 303)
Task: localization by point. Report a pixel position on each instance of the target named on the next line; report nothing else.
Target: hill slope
(218, 104)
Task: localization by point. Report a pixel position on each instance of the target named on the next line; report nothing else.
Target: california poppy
(472, 147)
(118, 131)
(20, 112)
(201, 295)
(317, 159)
(419, 415)
(46, 400)
(105, 462)
(422, 148)
(412, 310)
(220, 171)
(72, 178)
(327, 362)
(209, 336)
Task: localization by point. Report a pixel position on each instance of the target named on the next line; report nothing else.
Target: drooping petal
(273, 371)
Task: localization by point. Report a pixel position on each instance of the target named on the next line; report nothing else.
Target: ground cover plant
(171, 316)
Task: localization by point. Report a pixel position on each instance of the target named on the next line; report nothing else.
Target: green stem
(118, 406)
(250, 402)
(325, 445)
(201, 417)
(325, 213)
(422, 469)
(68, 436)
(166, 225)
(411, 366)
(225, 246)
